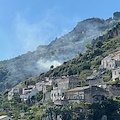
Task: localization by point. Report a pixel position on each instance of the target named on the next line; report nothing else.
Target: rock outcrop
(116, 16)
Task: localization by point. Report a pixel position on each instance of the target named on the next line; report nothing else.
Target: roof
(112, 55)
(78, 88)
(4, 116)
(91, 77)
(109, 56)
(117, 52)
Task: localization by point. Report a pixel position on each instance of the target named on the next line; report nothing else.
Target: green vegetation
(81, 111)
(116, 82)
(84, 83)
(108, 76)
(49, 89)
(16, 106)
(110, 108)
(84, 64)
(85, 73)
(106, 79)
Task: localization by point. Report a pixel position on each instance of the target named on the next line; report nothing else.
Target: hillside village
(84, 88)
(66, 89)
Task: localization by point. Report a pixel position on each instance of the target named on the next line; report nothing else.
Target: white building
(104, 86)
(115, 74)
(58, 94)
(29, 95)
(5, 118)
(31, 86)
(27, 90)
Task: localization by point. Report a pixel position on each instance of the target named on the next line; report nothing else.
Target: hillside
(83, 64)
(61, 49)
(86, 63)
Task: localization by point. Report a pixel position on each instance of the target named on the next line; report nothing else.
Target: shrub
(106, 79)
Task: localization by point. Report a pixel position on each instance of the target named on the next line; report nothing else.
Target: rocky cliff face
(116, 16)
(58, 51)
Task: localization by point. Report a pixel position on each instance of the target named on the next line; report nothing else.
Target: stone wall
(47, 96)
(114, 91)
(95, 94)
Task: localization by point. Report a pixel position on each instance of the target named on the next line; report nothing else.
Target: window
(115, 72)
(80, 97)
(63, 94)
(75, 97)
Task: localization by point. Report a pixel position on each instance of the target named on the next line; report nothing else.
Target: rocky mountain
(58, 51)
(85, 64)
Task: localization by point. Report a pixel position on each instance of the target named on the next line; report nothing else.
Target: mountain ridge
(58, 51)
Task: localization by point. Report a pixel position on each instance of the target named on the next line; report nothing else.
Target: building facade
(112, 61)
(29, 95)
(86, 94)
(68, 82)
(58, 94)
(115, 74)
(114, 91)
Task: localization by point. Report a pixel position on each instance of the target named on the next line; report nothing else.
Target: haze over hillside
(61, 49)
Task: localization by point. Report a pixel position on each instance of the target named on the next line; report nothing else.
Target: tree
(109, 108)
(66, 112)
(5, 105)
(99, 43)
(51, 67)
(88, 46)
(39, 96)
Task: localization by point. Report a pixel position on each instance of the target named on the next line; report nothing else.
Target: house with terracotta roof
(117, 56)
(88, 94)
(5, 117)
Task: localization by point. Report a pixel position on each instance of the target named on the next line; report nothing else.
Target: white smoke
(46, 64)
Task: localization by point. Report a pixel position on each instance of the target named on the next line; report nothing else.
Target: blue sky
(26, 24)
